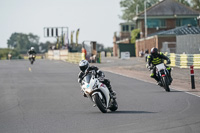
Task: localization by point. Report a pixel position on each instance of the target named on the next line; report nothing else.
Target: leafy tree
(135, 35)
(43, 47)
(5, 51)
(196, 4)
(129, 7)
(23, 42)
(184, 2)
(108, 49)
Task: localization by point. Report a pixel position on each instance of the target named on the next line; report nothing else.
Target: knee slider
(152, 75)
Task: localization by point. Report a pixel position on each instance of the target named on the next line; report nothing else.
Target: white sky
(97, 19)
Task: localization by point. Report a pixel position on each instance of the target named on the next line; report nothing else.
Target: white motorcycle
(98, 93)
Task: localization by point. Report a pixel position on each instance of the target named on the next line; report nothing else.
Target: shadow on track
(130, 112)
(185, 91)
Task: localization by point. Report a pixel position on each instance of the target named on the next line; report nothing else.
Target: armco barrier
(65, 55)
(172, 58)
(184, 60)
(75, 57)
(37, 57)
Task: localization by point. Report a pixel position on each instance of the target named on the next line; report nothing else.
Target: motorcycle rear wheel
(114, 105)
(100, 103)
(165, 84)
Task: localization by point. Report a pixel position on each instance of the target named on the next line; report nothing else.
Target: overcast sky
(97, 19)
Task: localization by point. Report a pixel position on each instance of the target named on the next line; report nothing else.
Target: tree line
(22, 42)
(129, 7)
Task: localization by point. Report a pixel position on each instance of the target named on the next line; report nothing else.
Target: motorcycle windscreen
(87, 78)
(160, 66)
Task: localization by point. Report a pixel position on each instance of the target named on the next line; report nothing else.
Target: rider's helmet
(32, 48)
(83, 65)
(154, 52)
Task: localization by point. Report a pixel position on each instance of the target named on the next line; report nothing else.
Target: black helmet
(83, 65)
(154, 51)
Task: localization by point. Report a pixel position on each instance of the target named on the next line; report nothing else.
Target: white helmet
(32, 48)
(83, 65)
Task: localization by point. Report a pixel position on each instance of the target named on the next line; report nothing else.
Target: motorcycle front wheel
(101, 103)
(165, 84)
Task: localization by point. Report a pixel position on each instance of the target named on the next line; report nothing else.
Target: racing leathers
(100, 75)
(31, 52)
(160, 57)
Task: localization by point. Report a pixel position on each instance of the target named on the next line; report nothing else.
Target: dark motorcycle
(32, 58)
(163, 74)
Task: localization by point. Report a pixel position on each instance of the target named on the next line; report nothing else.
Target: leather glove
(93, 72)
(149, 67)
(79, 80)
(168, 62)
(101, 78)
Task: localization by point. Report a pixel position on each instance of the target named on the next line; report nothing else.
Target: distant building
(172, 41)
(164, 17)
(124, 35)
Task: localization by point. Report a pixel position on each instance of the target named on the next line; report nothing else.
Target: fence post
(192, 76)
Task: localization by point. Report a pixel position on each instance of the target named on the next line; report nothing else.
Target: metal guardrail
(75, 57)
(65, 55)
(37, 57)
(184, 60)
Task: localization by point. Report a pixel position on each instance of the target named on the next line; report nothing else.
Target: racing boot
(84, 95)
(158, 81)
(112, 93)
(170, 78)
(160, 84)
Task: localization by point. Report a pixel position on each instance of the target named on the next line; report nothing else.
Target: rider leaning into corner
(31, 51)
(85, 68)
(156, 58)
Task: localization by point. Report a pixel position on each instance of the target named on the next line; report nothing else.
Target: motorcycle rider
(85, 68)
(31, 51)
(156, 58)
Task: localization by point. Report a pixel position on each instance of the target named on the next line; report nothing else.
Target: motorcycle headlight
(88, 90)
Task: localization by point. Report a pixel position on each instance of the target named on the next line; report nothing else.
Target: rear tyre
(101, 103)
(165, 84)
(114, 105)
(31, 60)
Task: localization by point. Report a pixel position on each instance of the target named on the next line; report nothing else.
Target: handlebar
(93, 73)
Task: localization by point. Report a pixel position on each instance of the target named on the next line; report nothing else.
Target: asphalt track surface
(45, 98)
